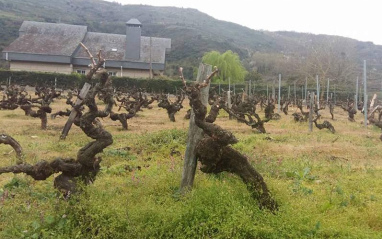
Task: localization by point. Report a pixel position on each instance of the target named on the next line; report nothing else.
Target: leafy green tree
(229, 65)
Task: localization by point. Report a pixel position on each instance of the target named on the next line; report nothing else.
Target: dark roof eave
(17, 56)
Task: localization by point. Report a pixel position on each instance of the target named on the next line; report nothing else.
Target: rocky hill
(193, 33)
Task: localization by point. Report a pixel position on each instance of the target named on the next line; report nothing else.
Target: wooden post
(318, 92)
(356, 95)
(229, 102)
(279, 96)
(289, 92)
(327, 92)
(267, 92)
(194, 134)
(365, 92)
(234, 89)
(151, 63)
(306, 90)
(357, 88)
(55, 83)
(229, 105)
(229, 83)
(311, 103)
(295, 95)
(335, 96)
(250, 88)
(84, 91)
(246, 88)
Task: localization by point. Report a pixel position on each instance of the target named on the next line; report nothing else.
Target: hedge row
(77, 80)
(151, 85)
(39, 78)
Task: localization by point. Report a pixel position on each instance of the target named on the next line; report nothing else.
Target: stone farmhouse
(54, 47)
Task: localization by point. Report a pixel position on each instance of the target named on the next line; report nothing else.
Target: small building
(54, 47)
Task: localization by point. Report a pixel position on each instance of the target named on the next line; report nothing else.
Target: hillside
(193, 33)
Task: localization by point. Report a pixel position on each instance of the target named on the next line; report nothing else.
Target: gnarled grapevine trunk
(215, 154)
(6, 139)
(86, 166)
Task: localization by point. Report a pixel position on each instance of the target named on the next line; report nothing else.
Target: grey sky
(354, 19)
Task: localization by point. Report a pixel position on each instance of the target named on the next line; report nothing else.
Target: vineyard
(322, 184)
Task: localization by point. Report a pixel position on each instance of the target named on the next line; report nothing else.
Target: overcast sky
(360, 20)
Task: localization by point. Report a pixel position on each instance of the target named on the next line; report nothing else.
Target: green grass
(327, 185)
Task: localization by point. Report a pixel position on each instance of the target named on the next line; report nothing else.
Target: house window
(112, 73)
(82, 72)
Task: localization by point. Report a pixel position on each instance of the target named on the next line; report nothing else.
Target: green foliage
(136, 192)
(318, 198)
(16, 183)
(229, 65)
(154, 85)
(40, 78)
(77, 80)
(161, 143)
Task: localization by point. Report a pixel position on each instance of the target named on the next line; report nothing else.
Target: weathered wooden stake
(279, 97)
(250, 88)
(356, 95)
(306, 91)
(295, 93)
(327, 92)
(194, 134)
(318, 92)
(335, 96)
(365, 91)
(229, 105)
(84, 91)
(311, 103)
(151, 62)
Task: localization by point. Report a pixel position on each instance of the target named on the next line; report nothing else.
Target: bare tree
(333, 58)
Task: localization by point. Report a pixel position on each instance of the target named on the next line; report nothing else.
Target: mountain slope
(192, 32)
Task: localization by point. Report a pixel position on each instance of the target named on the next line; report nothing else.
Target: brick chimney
(133, 39)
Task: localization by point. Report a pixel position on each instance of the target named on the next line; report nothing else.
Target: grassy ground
(327, 185)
